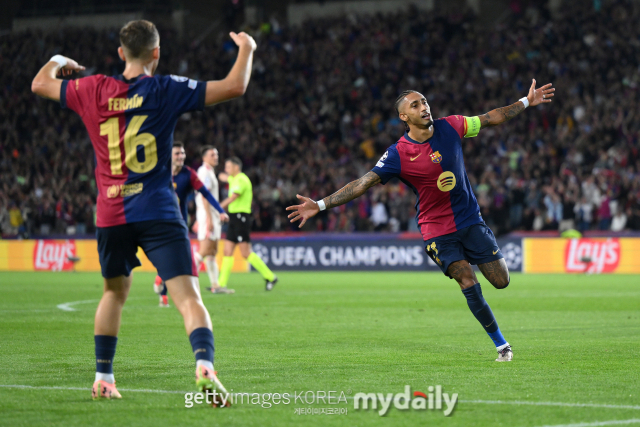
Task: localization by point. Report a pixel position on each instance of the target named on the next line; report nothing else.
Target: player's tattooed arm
(500, 115)
(352, 190)
(535, 97)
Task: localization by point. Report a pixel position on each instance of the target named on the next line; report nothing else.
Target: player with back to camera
(130, 119)
(185, 182)
(428, 159)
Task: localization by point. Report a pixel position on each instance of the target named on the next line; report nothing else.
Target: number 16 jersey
(131, 124)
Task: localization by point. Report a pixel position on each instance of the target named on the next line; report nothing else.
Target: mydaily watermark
(339, 401)
(418, 401)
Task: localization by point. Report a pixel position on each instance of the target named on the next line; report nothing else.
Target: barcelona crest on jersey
(436, 157)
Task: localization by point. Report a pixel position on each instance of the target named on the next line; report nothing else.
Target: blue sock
(164, 289)
(483, 313)
(105, 351)
(202, 344)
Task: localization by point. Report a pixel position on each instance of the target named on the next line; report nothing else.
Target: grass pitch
(576, 343)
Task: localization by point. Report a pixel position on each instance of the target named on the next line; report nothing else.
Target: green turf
(575, 338)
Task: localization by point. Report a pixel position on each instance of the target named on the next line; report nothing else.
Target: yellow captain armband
(472, 126)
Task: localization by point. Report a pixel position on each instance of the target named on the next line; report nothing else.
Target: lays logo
(446, 181)
(436, 157)
(53, 255)
(592, 255)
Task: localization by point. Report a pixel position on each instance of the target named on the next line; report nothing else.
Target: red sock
(158, 280)
(165, 300)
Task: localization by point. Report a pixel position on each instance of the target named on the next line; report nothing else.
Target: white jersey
(207, 175)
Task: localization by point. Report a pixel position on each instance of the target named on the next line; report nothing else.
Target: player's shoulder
(170, 80)
(204, 168)
(456, 121)
(243, 178)
(87, 81)
(390, 154)
(188, 169)
(452, 120)
(393, 148)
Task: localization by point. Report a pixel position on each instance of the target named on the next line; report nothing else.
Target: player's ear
(121, 53)
(155, 53)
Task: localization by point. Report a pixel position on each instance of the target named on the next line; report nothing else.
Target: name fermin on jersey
(130, 124)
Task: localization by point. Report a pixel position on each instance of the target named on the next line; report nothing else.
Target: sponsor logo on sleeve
(179, 79)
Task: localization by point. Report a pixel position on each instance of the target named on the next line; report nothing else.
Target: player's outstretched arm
(46, 84)
(236, 82)
(352, 190)
(209, 199)
(501, 115)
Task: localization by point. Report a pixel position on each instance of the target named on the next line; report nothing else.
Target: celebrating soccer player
(428, 159)
(130, 119)
(185, 182)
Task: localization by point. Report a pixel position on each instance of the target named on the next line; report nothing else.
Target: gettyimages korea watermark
(340, 402)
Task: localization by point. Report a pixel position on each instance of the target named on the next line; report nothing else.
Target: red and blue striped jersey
(131, 124)
(434, 170)
(185, 183)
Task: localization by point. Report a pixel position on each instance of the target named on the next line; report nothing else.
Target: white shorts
(201, 217)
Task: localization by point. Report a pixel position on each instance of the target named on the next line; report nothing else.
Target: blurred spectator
(619, 220)
(319, 112)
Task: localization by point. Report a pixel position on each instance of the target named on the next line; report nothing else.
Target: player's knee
(502, 283)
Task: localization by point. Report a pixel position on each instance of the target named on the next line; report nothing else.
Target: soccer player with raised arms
(428, 159)
(130, 119)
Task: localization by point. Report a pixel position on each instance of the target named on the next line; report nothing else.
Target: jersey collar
(131, 81)
(413, 141)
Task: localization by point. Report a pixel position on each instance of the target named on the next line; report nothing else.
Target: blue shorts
(475, 243)
(166, 244)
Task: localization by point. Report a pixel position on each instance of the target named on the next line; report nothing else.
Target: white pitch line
(581, 405)
(486, 402)
(132, 390)
(67, 305)
(599, 423)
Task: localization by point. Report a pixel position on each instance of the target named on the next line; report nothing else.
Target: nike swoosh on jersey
(413, 158)
(495, 252)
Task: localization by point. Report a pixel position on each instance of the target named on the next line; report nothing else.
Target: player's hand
(223, 176)
(70, 67)
(303, 212)
(541, 95)
(243, 39)
(224, 217)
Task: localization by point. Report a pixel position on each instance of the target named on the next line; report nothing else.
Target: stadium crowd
(319, 113)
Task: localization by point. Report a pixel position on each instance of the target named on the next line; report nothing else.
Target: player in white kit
(209, 225)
